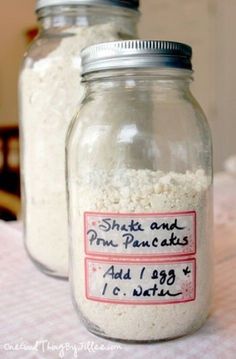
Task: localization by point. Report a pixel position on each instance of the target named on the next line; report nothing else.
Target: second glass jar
(50, 92)
(139, 184)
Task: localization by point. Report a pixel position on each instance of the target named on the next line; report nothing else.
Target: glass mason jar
(49, 91)
(140, 204)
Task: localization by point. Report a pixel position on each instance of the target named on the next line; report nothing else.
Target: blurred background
(207, 25)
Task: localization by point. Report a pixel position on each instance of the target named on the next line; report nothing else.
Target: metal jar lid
(136, 54)
(130, 4)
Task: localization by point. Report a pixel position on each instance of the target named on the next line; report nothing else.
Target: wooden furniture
(9, 173)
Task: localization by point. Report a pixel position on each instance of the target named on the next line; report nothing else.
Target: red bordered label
(139, 235)
(132, 282)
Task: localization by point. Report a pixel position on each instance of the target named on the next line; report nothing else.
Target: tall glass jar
(139, 184)
(49, 92)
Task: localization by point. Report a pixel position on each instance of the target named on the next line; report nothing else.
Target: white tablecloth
(37, 319)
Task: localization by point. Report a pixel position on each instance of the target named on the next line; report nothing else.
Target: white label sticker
(140, 234)
(163, 282)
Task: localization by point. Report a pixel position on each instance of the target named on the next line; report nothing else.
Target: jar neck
(83, 16)
(174, 80)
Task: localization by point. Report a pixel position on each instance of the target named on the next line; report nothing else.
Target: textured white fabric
(36, 310)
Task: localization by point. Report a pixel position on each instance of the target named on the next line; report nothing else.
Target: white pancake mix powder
(141, 257)
(50, 92)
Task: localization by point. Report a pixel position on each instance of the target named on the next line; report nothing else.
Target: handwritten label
(140, 282)
(140, 234)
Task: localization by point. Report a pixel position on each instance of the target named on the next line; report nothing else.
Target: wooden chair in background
(9, 173)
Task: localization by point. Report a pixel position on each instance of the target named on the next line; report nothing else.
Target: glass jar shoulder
(198, 117)
(184, 116)
(182, 133)
(149, 127)
(197, 129)
(44, 47)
